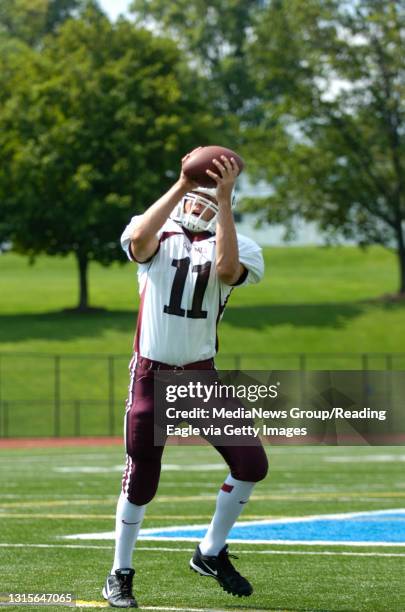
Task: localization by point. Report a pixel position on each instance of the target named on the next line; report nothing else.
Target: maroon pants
(142, 471)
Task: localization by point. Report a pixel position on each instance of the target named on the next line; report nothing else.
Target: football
(201, 160)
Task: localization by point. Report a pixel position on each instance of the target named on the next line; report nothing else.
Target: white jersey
(182, 298)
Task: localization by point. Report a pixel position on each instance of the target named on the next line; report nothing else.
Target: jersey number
(203, 272)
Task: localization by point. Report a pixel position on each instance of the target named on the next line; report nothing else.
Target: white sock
(126, 532)
(231, 500)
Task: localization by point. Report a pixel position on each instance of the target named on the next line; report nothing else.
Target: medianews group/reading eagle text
(259, 413)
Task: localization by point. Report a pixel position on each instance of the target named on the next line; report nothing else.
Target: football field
(324, 532)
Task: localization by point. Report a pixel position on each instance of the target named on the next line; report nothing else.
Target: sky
(114, 7)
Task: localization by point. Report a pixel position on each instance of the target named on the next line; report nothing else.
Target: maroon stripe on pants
(247, 463)
(139, 321)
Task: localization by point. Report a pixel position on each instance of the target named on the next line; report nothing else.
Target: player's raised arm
(144, 240)
(229, 268)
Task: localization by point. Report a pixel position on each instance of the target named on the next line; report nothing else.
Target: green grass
(312, 300)
(39, 505)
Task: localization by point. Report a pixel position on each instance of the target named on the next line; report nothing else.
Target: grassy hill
(311, 300)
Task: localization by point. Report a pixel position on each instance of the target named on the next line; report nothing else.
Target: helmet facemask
(195, 223)
(192, 221)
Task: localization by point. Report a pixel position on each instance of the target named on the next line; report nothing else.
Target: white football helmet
(194, 221)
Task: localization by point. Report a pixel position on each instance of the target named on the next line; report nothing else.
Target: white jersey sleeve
(251, 257)
(127, 233)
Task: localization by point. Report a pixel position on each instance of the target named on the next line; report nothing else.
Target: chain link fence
(84, 394)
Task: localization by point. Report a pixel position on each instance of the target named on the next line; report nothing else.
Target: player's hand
(225, 178)
(184, 180)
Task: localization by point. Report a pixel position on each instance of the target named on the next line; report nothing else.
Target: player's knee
(141, 483)
(261, 469)
(252, 471)
(140, 495)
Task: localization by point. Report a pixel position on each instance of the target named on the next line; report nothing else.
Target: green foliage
(31, 20)
(213, 35)
(331, 143)
(91, 131)
(317, 88)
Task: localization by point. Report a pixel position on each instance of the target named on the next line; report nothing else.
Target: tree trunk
(82, 262)
(401, 258)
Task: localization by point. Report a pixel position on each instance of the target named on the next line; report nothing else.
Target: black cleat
(222, 570)
(118, 589)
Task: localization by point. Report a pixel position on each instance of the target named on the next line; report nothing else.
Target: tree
(330, 75)
(213, 34)
(30, 20)
(24, 24)
(93, 132)
(13, 53)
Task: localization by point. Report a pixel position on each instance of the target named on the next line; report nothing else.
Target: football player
(189, 260)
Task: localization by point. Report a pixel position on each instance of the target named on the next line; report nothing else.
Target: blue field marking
(379, 528)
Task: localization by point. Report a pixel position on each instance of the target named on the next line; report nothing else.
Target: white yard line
(364, 458)
(99, 604)
(166, 467)
(333, 553)
(83, 517)
(168, 534)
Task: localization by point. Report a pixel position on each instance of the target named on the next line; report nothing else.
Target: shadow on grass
(64, 325)
(332, 315)
(68, 325)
